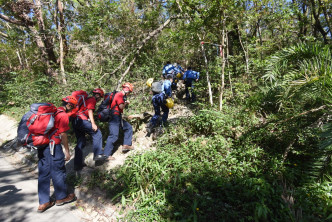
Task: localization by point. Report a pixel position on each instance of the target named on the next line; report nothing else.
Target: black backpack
(104, 110)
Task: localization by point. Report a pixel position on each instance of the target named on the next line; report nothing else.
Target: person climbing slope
(159, 102)
(116, 123)
(189, 78)
(84, 123)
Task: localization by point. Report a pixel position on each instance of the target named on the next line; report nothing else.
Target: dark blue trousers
(158, 102)
(114, 127)
(51, 167)
(81, 127)
(190, 84)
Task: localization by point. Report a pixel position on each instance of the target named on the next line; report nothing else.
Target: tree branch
(3, 35)
(138, 49)
(11, 20)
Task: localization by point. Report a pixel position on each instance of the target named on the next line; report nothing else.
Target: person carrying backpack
(159, 102)
(169, 69)
(189, 77)
(84, 123)
(116, 122)
(177, 75)
(51, 163)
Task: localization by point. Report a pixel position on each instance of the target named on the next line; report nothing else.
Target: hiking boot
(99, 158)
(45, 206)
(70, 198)
(149, 125)
(127, 148)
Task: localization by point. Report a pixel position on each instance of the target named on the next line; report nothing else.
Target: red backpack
(36, 125)
(81, 97)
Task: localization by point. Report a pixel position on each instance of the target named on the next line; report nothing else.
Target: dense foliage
(259, 145)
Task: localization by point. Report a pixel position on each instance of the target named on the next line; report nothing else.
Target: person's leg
(80, 140)
(128, 133)
(58, 173)
(188, 85)
(156, 107)
(165, 110)
(97, 138)
(193, 95)
(114, 126)
(44, 176)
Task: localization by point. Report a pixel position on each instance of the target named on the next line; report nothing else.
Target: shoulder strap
(111, 99)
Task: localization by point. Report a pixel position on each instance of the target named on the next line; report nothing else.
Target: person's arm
(197, 76)
(64, 141)
(124, 105)
(94, 126)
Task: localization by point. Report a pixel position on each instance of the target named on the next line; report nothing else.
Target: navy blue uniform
(159, 102)
(115, 124)
(52, 166)
(190, 77)
(81, 126)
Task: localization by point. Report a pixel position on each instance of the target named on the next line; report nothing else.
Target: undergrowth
(224, 167)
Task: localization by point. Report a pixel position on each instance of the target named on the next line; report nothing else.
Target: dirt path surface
(19, 198)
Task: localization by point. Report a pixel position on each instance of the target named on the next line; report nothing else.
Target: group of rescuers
(83, 122)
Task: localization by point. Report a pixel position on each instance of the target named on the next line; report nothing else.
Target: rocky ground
(91, 204)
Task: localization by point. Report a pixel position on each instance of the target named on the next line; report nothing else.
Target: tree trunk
(61, 41)
(222, 87)
(19, 58)
(207, 73)
(44, 57)
(227, 56)
(317, 23)
(49, 46)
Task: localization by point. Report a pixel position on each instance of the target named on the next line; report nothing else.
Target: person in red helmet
(84, 123)
(51, 163)
(119, 103)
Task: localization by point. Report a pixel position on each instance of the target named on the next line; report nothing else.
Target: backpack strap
(111, 100)
(81, 113)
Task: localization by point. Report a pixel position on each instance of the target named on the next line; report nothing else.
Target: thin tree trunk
(207, 73)
(62, 24)
(61, 41)
(19, 58)
(222, 87)
(227, 55)
(3, 35)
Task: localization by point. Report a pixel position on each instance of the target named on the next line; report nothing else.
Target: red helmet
(99, 91)
(129, 86)
(70, 99)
